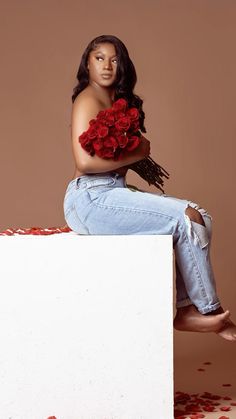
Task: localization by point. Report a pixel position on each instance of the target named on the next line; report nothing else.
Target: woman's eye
(98, 58)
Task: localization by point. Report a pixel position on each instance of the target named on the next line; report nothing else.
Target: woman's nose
(107, 64)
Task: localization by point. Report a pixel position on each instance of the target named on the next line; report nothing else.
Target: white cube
(86, 327)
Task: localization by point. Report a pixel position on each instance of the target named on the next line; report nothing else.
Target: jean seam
(154, 213)
(195, 264)
(73, 208)
(209, 308)
(93, 183)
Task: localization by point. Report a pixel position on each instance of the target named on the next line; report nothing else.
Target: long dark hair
(126, 76)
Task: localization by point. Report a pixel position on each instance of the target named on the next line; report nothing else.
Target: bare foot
(228, 331)
(191, 320)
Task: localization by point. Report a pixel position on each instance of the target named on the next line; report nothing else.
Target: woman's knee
(199, 223)
(194, 215)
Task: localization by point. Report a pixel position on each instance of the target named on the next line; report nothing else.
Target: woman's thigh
(120, 210)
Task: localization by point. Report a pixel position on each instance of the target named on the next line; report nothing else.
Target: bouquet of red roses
(115, 131)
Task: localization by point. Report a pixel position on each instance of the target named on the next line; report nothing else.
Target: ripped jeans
(102, 203)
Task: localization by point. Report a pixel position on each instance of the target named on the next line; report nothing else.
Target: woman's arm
(83, 110)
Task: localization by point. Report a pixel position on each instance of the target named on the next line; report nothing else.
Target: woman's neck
(105, 94)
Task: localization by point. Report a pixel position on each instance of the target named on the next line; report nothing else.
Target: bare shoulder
(87, 103)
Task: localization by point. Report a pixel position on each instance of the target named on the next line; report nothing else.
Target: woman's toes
(228, 331)
(223, 316)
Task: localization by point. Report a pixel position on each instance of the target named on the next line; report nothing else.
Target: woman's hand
(144, 146)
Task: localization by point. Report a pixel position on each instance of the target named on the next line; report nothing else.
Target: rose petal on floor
(225, 408)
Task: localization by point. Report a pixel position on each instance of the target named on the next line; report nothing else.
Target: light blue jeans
(103, 204)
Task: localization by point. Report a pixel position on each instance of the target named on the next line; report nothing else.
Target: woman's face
(102, 65)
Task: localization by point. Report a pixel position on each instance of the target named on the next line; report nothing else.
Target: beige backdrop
(184, 54)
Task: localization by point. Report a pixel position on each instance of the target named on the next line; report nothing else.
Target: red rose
(133, 113)
(92, 122)
(134, 126)
(110, 117)
(120, 105)
(123, 124)
(98, 144)
(87, 146)
(113, 131)
(104, 117)
(86, 142)
(110, 142)
(92, 132)
(102, 131)
(122, 140)
(133, 142)
(110, 111)
(101, 114)
(83, 136)
(119, 114)
(105, 153)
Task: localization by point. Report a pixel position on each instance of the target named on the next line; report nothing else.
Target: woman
(98, 201)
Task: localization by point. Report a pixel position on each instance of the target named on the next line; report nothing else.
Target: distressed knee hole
(194, 215)
(196, 227)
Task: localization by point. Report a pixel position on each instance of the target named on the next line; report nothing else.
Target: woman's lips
(106, 76)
